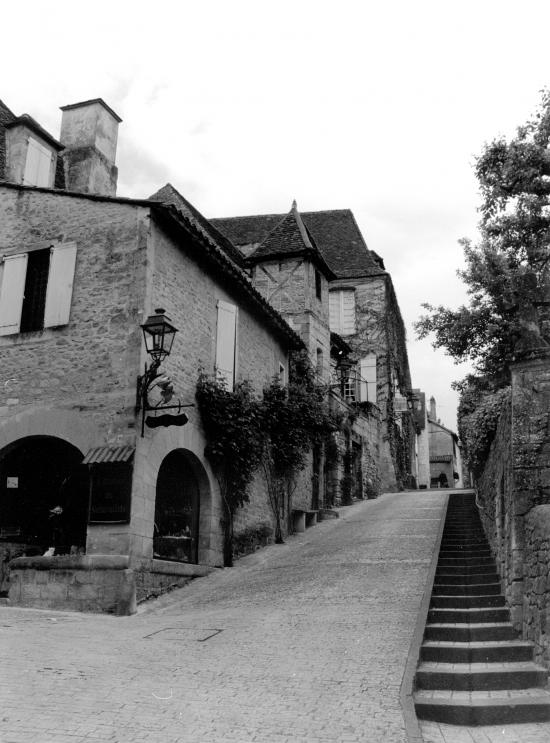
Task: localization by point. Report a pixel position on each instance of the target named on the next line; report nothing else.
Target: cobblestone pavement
(433, 732)
(305, 641)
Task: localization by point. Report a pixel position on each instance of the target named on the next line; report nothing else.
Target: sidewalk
(305, 641)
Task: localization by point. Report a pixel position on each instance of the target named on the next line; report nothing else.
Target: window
(38, 165)
(282, 374)
(318, 285)
(319, 362)
(367, 372)
(36, 289)
(226, 338)
(342, 311)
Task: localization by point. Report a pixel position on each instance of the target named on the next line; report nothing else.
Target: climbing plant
(294, 418)
(231, 421)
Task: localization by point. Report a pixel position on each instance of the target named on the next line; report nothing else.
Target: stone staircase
(473, 670)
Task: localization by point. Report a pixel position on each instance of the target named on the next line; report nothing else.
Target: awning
(102, 454)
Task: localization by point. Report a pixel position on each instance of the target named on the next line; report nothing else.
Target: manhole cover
(183, 634)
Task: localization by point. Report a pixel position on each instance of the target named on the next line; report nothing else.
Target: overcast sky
(380, 107)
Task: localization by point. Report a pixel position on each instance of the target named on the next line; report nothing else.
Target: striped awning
(102, 454)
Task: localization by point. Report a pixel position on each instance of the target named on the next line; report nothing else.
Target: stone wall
(536, 597)
(96, 583)
(514, 484)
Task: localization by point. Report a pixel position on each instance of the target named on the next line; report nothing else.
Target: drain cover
(183, 634)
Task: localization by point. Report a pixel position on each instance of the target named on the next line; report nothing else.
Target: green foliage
(479, 412)
(231, 423)
(293, 419)
(275, 432)
(507, 273)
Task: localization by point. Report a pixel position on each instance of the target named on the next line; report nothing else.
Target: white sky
(380, 107)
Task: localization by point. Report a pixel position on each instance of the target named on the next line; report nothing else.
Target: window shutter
(334, 311)
(60, 285)
(12, 287)
(348, 312)
(225, 342)
(367, 371)
(37, 165)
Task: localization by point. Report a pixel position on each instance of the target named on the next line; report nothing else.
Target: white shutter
(334, 311)
(60, 285)
(367, 371)
(12, 288)
(37, 165)
(348, 312)
(225, 342)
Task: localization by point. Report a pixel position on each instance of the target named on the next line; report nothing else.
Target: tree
(507, 272)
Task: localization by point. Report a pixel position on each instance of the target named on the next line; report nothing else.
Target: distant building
(445, 454)
(363, 310)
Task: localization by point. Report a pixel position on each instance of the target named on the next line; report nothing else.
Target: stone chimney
(433, 411)
(89, 132)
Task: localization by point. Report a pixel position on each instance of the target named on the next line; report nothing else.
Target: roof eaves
(216, 254)
(33, 125)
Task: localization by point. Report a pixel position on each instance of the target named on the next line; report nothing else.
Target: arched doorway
(43, 495)
(177, 507)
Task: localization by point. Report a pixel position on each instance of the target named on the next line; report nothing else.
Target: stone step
(466, 553)
(470, 631)
(466, 578)
(476, 615)
(448, 542)
(480, 676)
(442, 601)
(470, 569)
(439, 651)
(466, 561)
(479, 589)
(483, 707)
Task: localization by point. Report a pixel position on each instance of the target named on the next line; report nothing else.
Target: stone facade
(513, 487)
(77, 382)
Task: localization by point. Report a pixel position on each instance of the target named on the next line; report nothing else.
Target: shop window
(110, 490)
(36, 289)
(226, 340)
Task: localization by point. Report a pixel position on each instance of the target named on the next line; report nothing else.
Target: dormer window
(38, 165)
(31, 153)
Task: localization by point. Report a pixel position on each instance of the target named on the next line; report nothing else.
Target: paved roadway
(301, 642)
(311, 644)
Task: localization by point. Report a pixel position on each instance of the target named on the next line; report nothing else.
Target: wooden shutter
(12, 288)
(37, 165)
(60, 285)
(367, 371)
(226, 342)
(334, 311)
(348, 311)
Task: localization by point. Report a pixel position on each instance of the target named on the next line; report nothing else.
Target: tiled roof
(335, 233)
(33, 125)
(290, 237)
(169, 195)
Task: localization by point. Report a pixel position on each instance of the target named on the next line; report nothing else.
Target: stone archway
(43, 496)
(181, 492)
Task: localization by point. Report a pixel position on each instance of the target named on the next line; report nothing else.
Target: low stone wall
(536, 599)
(96, 583)
(161, 576)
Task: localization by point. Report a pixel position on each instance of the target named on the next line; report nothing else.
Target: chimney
(433, 412)
(89, 132)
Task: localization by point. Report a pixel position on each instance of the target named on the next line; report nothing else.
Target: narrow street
(302, 642)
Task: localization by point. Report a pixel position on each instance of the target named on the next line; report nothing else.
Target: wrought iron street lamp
(158, 334)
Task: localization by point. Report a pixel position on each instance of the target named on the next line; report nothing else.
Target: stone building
(363, 309)
(81, 270)
(445, 456)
